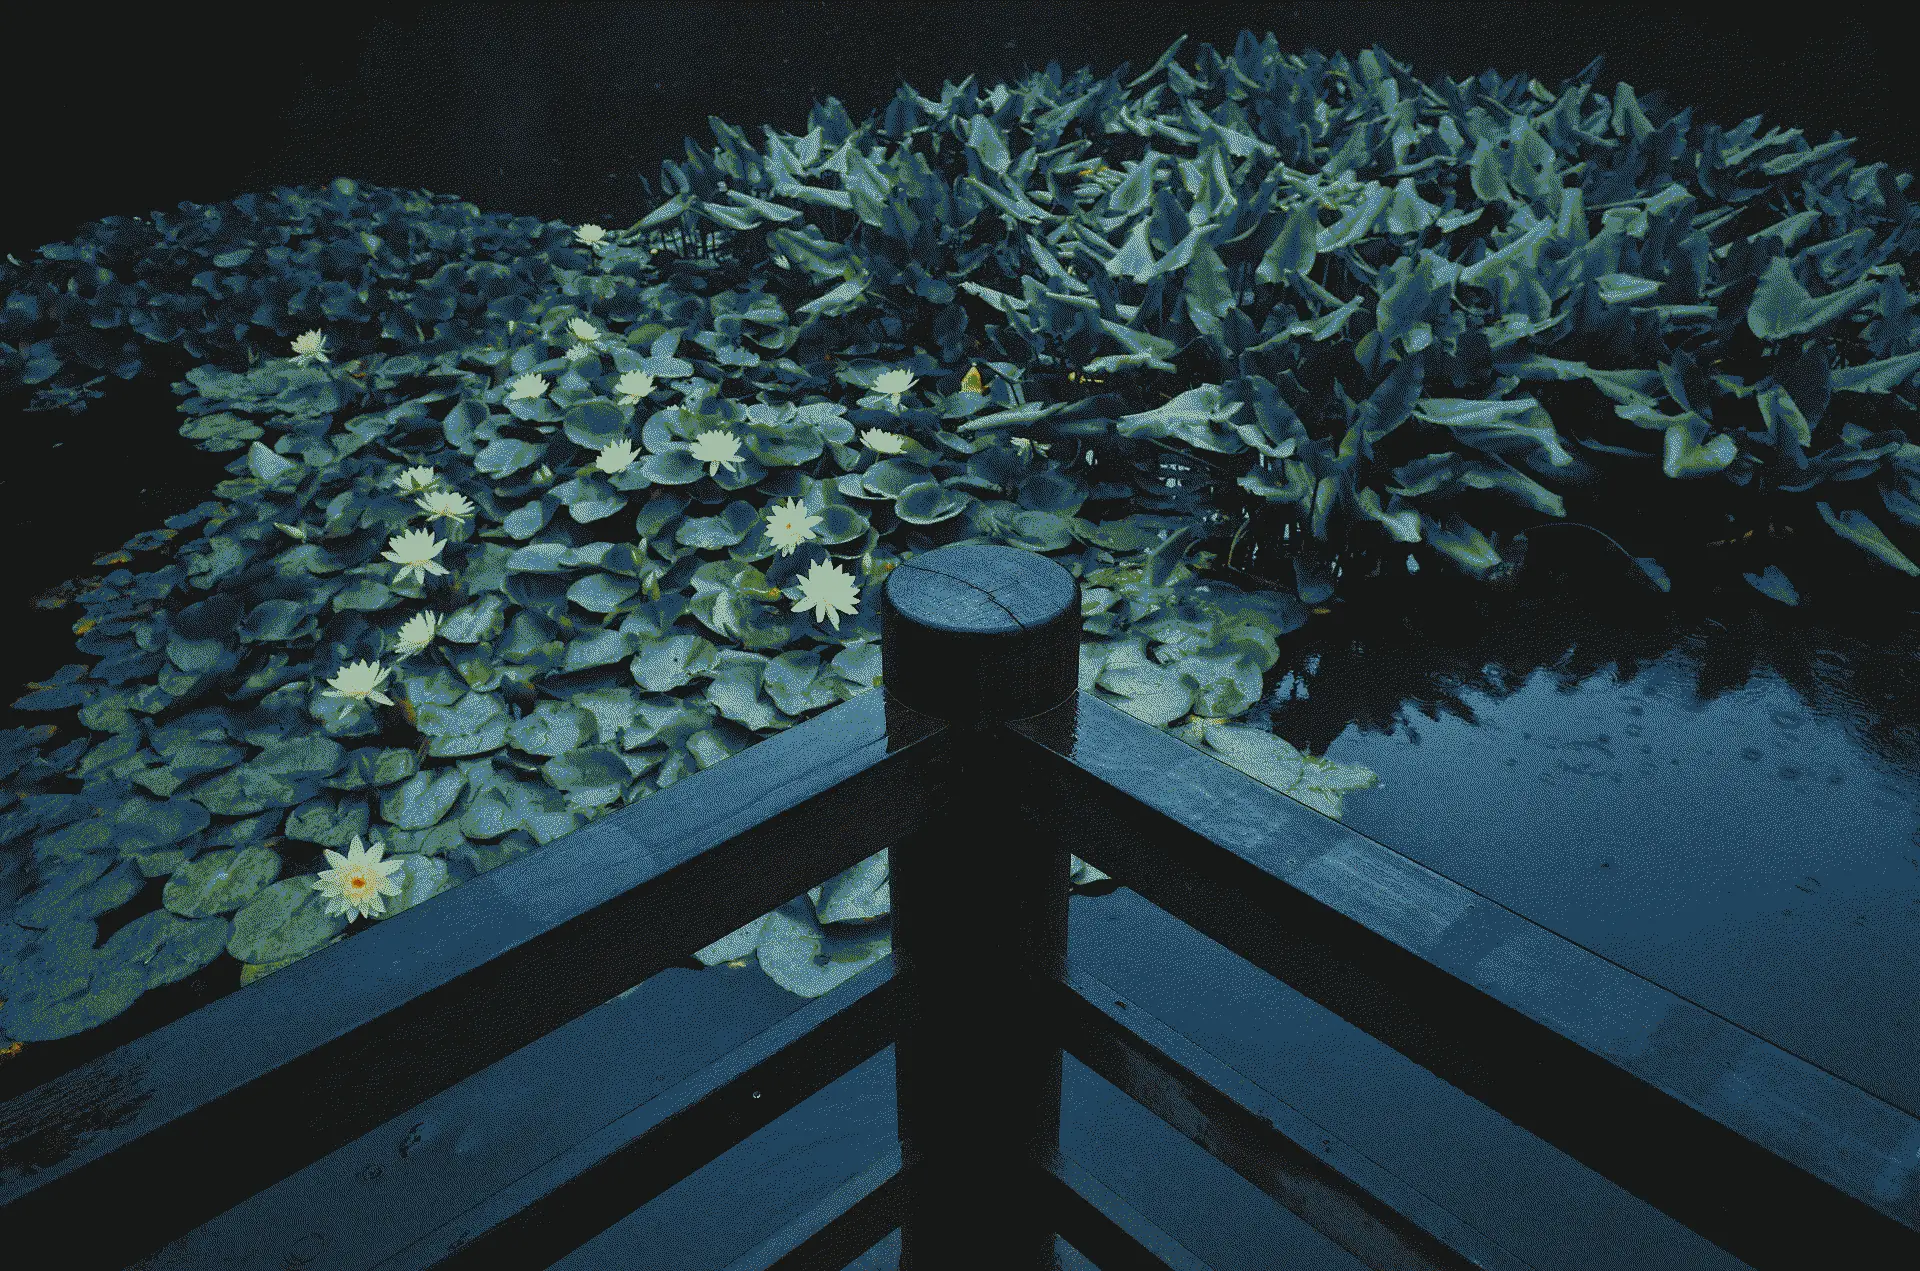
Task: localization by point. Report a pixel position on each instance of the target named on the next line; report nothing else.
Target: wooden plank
(840, 1228)
(257, 1085)
(1775, 1160)
(567, 1201)
(1335, 1188)
(1100, 1225)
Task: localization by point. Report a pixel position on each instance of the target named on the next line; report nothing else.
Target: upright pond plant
(527, 520)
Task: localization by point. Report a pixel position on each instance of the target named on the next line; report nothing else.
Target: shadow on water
(1712, 789)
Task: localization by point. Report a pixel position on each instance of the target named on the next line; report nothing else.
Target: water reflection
(1723, 796)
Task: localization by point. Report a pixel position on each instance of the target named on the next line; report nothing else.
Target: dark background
(558, 110)
(553, 109)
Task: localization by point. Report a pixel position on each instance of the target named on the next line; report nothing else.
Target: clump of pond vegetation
(525, 521)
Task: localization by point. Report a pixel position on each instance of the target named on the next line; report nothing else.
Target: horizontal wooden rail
(1352, 1200)
(846, 1222)
(1776, 1161)
(1097, 1222)
(258, 1085)
(574, 1197)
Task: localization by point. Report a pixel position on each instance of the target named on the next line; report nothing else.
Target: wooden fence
(980, 767)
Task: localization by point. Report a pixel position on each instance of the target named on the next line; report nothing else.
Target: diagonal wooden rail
(979, 766)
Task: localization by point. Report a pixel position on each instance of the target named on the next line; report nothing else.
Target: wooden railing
(980, 767)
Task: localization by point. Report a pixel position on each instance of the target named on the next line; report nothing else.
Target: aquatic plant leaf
(220, 882)
(1771, 582)
(165, 946)
(1858, 529)
(287, 919)
(420, 877)
(423, 799)
(802, 958)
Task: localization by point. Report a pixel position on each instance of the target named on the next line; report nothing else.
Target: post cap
(976, 632)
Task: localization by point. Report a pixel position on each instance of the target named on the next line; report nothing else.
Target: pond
(1723, 797)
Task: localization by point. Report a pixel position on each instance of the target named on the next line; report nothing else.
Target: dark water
(1728, 805)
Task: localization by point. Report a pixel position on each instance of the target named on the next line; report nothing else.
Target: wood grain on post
(976, 635)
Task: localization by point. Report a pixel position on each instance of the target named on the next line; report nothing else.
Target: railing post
(976, 635)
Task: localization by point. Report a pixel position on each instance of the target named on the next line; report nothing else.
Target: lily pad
(588, 768)
(420, 877)
(739, 943)
(1258, 753)
(54, 1008)
(553, 728)
(801, 957)
(247, 789)
(855, 894)
(80, 893)
(423, 799)
(301, 758)
(285, 920)
(328, 821)
(166, 946)
(220, 882)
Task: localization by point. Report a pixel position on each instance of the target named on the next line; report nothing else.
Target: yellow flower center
(357, 882)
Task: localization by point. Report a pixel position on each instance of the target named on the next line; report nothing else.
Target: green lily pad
(328, 821)
(146, 824)
(301, 758)
(856, 894)
(739, 943)
(77, 894)
(364, 595)
(220, 882)
(473, 623)
(929, 503)
(72, 1004)
(422, 799)
(1258, 753)
(588, 768)
(420, 877)
(801, 957)
(602, 593)
(287, 919)
(664, 665)
(166, 946)
(552, 728)
(245, 790)
(369, 767)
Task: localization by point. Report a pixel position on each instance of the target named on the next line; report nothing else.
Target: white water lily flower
(309, 346)
(1026, 445)
(829, 591)
(789, 524)
(358, 883)
(416, 633)
(542, 474)
(617, 457)
(717, 448)
(360, 681)
(883, 442)
(633, 386)
(589, 234)
(579, 352)
(893, 383)
(449, 505)
(416, 480)
(583, 330)
(414, 552)
(527, 387)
